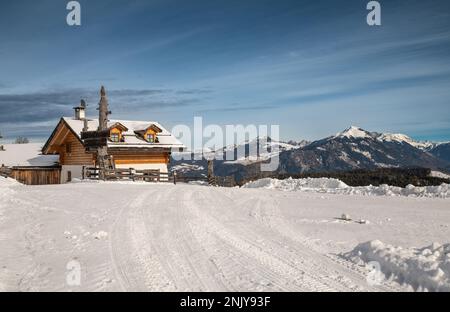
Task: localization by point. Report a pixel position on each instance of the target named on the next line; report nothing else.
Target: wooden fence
(130, 174)
(5, 172)
(151, 175)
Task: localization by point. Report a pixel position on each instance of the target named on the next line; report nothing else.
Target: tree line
(400, 177)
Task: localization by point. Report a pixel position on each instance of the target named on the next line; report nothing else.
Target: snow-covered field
(162, 237)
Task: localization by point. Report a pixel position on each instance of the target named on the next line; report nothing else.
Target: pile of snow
(424, 269)
(100, 235)
(204, 183)
(297, 184)
(185, 167)
(335, 186)
(5, 189)
(7, 182)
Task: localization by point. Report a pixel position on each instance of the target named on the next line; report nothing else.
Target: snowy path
(214, 249)
(187, 238)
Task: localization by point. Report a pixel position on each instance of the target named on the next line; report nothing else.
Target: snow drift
(297, 184)
(423, 269)
(7, 182)
(335, 186)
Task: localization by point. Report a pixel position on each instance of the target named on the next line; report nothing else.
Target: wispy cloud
(36, 113)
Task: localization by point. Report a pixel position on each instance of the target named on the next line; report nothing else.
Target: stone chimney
(80, 111)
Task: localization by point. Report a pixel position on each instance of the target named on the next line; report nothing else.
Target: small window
(115, 137)
(150, 138)
(68, 148)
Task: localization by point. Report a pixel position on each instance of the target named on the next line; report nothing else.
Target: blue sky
(313, 67)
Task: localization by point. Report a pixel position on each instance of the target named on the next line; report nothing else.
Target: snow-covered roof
(166, 139)
(18, 155)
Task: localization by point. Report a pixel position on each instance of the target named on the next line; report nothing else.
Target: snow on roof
(26, 155)
(166, 139)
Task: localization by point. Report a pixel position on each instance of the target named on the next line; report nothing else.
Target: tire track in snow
(238, 269)
(165, 231)
(153, 247)
(338, 272)
(293, 272)
(136, 265)
(183, 255)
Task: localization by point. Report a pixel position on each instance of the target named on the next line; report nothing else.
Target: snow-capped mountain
(353, 148)
(356, 132)
(356, 148)
(259, 149)
(232, 158)
(401, 138)
(249, 151)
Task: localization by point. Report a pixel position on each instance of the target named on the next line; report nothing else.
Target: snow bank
(7, 182)
(424, 269)
(335, 186)
(297, 184)
(198, 183)
(6, 191)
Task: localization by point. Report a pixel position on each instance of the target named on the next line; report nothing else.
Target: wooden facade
(122, 158)
(72, 152)
(36, 175)
(69, 147)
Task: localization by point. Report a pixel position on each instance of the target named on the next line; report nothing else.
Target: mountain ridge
(351, 149)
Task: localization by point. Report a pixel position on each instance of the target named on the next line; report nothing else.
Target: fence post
(130, 174)
(175, 177)
(211, 177)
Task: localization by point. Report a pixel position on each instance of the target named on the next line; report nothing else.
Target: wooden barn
(37, 175)
(26, 164)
